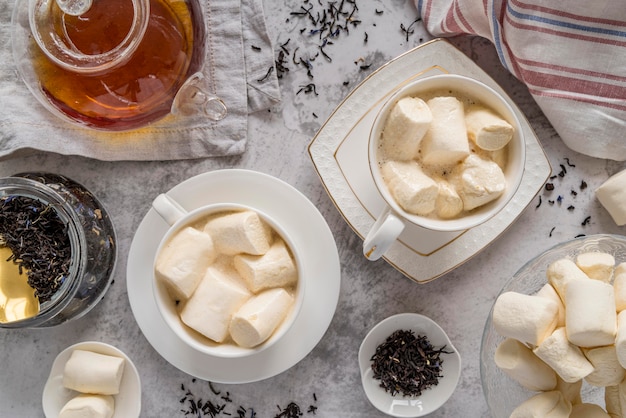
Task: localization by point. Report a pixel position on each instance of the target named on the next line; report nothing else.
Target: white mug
(393, 219)
(178, 218)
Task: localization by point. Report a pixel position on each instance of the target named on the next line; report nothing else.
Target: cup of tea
(227, 277)
(446, 153)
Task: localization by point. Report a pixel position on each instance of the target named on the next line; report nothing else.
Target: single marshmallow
(588, 410)
(550, 404)
(570, 391)
(89, 406)
(183, 260)
(561, 272)
(446, 141)
(547, 291)
(590, 317)
(259, 317)
(607, 370)
(522, 365)
(612, 195)
(404, 128)
(619, 286)
(448, 203)
(620, 338)
(413, 190)
(478, 181)
(275, 268)
(565, 358)
(217, 298)
(596, 265)
(615, 399)
(95, 373)
(488, 130)
(240, 232)
(526, 318)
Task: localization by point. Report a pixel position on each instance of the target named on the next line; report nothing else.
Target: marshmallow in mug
(246, 257)
(428, 162)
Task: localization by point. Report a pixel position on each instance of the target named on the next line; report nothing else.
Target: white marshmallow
(526, 318)
(596, 265)
(405, 127)
(448, 203)
(607, 370)
(543, 405)
(183, 261)
(619, 286)
(570, 391)
(522, 365)
(615, 399)
(217, 298)
(547, 291)
(488, 130)
(413, 190)
(446, 141)
(588, 410)
(565, 358)
(620, 338)
(561, 272)
(478, 181)
(259, 317)
(95, 373)
(240, 232)
(590, 317)
(88, 406)
(612, 195)
(275, 268)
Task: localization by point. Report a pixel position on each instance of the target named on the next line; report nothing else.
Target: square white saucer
(339, 154)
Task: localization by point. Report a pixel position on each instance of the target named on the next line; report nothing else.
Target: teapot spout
(194, 98)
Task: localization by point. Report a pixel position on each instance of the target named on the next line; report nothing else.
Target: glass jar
(92, 242)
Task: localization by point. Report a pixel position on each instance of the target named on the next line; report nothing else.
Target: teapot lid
(54, 22)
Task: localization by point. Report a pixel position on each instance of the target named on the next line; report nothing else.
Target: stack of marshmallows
(437, 157)
(234, 277)
(97, 377)
(572, 329)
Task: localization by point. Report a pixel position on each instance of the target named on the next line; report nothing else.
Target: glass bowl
(502, 393)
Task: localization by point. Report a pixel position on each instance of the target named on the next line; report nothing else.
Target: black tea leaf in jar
(57, 250)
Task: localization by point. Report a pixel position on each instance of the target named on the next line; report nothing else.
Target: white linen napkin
(571, 55)
(232, 64)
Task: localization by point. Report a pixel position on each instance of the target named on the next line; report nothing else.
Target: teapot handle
(194, 98)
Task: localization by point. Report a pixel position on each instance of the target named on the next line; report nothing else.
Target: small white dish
(321, 274)
(339, 153)
(55, 395)
(432, 398)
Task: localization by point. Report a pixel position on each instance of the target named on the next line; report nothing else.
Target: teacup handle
(384, 232)
(168, 209)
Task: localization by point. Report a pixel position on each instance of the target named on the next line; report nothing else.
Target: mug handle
(384, 232)
(168, 209)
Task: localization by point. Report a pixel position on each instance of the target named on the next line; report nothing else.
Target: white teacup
(176, 216)
(393, 219)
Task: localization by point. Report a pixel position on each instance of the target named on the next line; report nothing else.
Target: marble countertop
(327, 378)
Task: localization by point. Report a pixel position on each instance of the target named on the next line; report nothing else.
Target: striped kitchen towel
(571, 55)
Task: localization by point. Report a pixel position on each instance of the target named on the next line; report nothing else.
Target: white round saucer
(55, 395)
(320, 265)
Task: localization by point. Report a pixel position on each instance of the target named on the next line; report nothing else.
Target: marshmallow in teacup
(220, 293)
(240, 232)
(478, 181)
(413, 190)
(405, 127)
(275, 268)
(488, 131)
(445, 143)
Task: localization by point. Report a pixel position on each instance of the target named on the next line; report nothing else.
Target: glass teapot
(114, 65)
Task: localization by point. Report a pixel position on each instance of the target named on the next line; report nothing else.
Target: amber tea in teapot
(141, 85)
